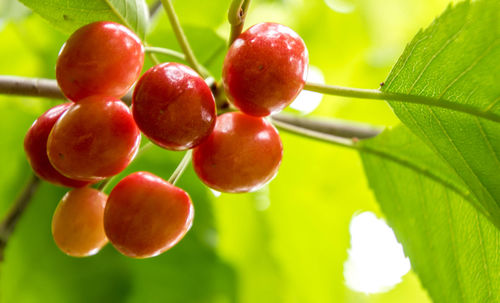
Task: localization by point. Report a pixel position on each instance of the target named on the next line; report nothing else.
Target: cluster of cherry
(96, 135)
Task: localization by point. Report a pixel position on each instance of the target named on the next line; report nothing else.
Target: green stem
(165, 51)
(180, 168)
(104, 183)
(398, 97)
(181, 37)
(236, 16)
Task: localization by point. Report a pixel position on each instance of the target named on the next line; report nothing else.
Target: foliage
(435, 177)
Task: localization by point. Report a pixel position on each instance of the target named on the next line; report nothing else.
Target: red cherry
(95, 139)
(242, 154)
(101, 58)
(35, 146)
(173, 106)
(146, 215)
(265, 69)
(77, 225)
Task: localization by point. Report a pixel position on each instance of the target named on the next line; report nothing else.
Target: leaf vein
(469, 68)
(436, 54)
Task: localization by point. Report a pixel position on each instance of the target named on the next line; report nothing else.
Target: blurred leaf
(455, 61)
(11, 9)
(70, 15)
(208, 14)
(453, 248)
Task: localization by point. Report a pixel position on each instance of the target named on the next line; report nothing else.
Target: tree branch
(21, 86)
(333, 127)
(8, 224)
(12, 85)
(37, 87)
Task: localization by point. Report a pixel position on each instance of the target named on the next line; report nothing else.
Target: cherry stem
(180, 168)
(9, 222)
(174, 54)
(236, 16)
(165, 51)
(104, 183)
(181, 37)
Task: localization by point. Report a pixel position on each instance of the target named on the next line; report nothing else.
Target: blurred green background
(285, 243)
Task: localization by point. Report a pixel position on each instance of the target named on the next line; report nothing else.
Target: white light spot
(341, 6)
(262, 200)
(376, 261)
(308, 101)
(216, 193)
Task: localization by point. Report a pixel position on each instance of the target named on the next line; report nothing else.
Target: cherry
(100, 58)
(146, 215)
(95, 139)
(77, 225)
(265, 69)
(242, 154)
(35, 146)
(173, 106)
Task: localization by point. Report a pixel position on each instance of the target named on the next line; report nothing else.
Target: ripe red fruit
(77, 225)
(35, 146)
(146, 215)
(95, 139)
(265, 69)
(173, 106)
(242, 154)
(101, 58)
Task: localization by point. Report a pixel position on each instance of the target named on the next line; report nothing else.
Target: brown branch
(48, 88)
(333, 127)
(37, 87)
(9, 222)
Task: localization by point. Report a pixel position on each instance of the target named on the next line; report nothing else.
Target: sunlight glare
(376, 261)
(308, 101)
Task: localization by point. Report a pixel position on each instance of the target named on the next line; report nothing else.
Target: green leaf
(455, 62)
(70, 15)
(453, 248)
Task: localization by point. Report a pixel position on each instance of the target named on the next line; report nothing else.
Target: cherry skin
(77, 224)
(173, 106)
(100, 58)
(145, 215)
(95, 139)
(242, 154)
(265, 69)
(35, 146)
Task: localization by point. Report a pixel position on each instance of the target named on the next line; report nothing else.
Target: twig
(307, 133)
(333, 127)
(9, 222)
(12, 85)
